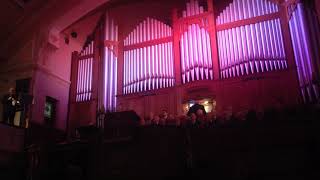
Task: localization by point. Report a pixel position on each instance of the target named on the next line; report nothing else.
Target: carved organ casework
(270, 44)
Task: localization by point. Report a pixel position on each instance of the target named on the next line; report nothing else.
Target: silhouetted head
(164, 114)
(11, 91)
(151, 115)
(199, 112)
(156, 119)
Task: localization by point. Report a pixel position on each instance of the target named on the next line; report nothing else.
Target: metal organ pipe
(200, 54)
(130, 69)
(85, 85)
(110, 65)
(85, 75)
(125, 74)
(272, 47)
(78, 82)
(209, 60)
(80, 72)
(156, 66)
(135, 70)
(256, 30)
(305, 54)
(160, 65)
(90, 69)
(305, 76)
(262, 39)
(166, 52)
(88, 73)
(171, 66)
(238, 41)
(112, 62)
(168, 61)
(235, 69)
(314, 40)
(206, 53)
(81, 80)
(250, 48)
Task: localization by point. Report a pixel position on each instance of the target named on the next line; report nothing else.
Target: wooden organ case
(242, 56)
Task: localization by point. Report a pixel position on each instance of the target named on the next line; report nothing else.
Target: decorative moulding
(54, 38)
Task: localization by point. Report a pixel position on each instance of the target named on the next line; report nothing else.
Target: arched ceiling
(19, 23)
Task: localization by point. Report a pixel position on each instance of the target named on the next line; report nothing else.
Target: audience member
(142, 122)
(147, 121)
(164, 114)
(210, 120)
(201, 118)
(9, 102)
(178, 122)
(183, 120)
(18, 111)
(171, 120)
(156, 121)
(194, 122)
(162, 120)
(151, 116)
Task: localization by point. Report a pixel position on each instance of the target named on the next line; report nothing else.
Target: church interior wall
(52, 79)
(49, 67)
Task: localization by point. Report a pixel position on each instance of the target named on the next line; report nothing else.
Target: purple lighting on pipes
(151, 63)
(305, 50)
(250, 48)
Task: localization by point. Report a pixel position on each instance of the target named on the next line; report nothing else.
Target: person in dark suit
(9, 102)
(193, 121)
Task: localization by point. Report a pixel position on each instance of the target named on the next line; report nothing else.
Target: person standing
(19, 111)
(9, 102)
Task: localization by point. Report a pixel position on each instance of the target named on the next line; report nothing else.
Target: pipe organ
(195, 47)
(148, 57)
(306, 46)
(109, 64)
(200, 53)
(84, 74)
(248, 45)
